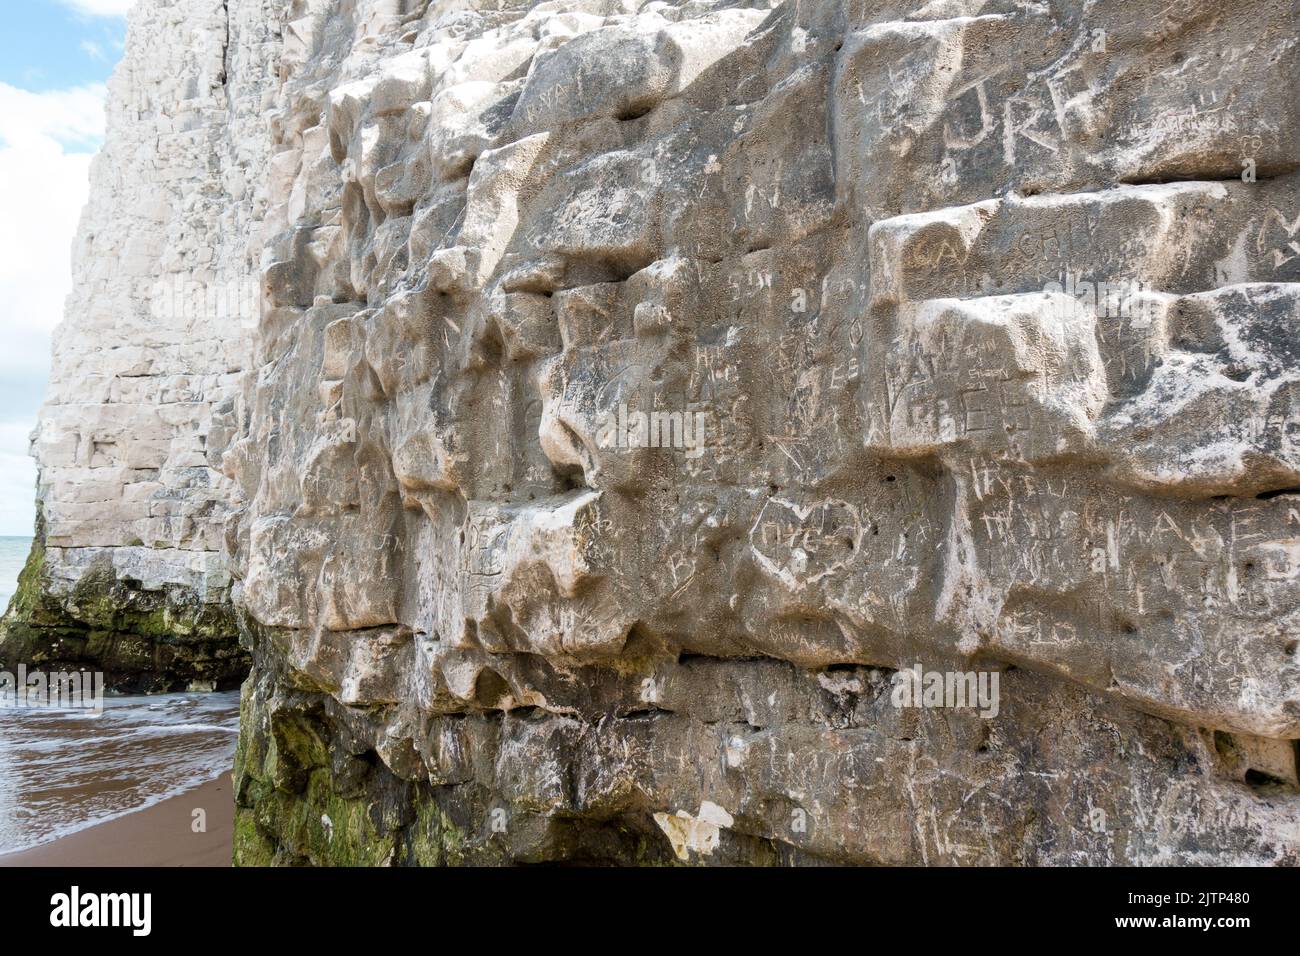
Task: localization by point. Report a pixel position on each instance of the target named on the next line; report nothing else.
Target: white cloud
(44, 165)
(31, 122)
(92, 50)
(100, 8)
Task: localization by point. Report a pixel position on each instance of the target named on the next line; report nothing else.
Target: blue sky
(52, 45)
(55, 56)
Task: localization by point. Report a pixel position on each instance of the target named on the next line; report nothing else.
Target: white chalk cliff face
(639, 391)
(128, 574)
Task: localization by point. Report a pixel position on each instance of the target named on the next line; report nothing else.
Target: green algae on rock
(149, 641)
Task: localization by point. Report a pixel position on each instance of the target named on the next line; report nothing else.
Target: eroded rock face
(127, 574)
(642, 390)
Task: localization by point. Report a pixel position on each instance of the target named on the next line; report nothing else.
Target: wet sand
(160, 835)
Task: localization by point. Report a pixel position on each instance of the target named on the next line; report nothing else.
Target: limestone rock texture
(989, 312)
(126, 574)
(639, 388)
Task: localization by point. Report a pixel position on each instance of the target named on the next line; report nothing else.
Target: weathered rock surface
(639, 388)
(127, 573)
(995, 353)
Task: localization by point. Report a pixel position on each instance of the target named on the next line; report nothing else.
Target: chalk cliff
(638, 390)
(127, 574)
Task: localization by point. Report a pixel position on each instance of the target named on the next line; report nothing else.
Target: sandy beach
(160, 835)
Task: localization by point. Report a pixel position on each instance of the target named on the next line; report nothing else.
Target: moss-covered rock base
(144, 641)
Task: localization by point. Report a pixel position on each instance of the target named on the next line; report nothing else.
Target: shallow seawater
(62, 770)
